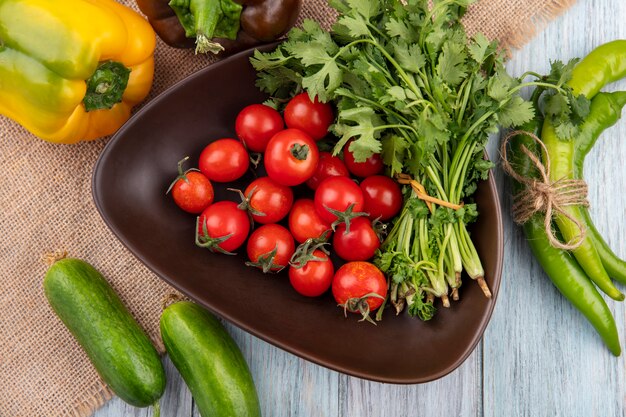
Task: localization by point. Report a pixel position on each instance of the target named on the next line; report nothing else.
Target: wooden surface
(538, 357)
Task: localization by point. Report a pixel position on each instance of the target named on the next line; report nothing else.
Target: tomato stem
(360, 305)
(345, 216)
(381, 229)
(304, 252)
(300, 151)
(245, 203)
(211, 243)
(182, 175)
(379, 313)
(266, 262)
(255, 158)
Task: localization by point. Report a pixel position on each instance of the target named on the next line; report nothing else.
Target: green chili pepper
(563, 270)
(606, 109)
(568, 277)
(613, 264)
(561, 154)
(603, 65)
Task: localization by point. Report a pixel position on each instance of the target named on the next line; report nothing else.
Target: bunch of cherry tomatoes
(335, 208)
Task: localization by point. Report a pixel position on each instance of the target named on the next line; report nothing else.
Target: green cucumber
(115, 343)
(209, 361)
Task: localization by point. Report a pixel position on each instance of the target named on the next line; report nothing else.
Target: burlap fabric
(46, 205)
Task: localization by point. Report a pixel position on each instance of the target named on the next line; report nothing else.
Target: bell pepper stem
(204, 45)
(106, 86)
(206, 20)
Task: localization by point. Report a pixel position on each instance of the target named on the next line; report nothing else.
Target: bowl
(129, 183)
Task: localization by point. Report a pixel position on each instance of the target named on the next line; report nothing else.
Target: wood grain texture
(457, 394)
(539, 356)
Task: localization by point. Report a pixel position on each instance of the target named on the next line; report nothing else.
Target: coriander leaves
(408, 65)
(566, 111)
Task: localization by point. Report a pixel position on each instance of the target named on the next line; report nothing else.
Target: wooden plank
(541, 357)
(457, 394)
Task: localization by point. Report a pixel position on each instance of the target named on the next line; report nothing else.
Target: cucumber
(115, 343)
(209, 361)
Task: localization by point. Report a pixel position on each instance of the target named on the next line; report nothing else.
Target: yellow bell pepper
(71, 70)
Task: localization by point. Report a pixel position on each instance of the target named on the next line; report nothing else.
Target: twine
(544, 196)
(421, 193)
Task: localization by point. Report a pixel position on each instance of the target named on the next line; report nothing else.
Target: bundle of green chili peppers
(565, 145)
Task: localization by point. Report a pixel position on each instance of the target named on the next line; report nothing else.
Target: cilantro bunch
(565, 110)
(409, 83)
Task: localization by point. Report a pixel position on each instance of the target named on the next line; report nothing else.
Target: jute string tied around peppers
(545, 196)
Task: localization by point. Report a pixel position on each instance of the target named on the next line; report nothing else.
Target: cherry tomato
(268, 201)
(305, 223)
(383, 197)
(193, 193)
(291, 157)
(222, 227)
(357, 244)
(328, 166)
(359, 286)
(270, 248)
(191, 190)
(337, 193)
(371, 166)
(314, 278)
(224, 160)
(256, 124)
(313, 117)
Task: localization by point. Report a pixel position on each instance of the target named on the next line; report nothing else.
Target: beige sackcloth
(46, 205)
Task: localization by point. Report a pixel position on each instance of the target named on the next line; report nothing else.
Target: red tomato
(337, 193)
(224, 160)
(256, 124)
(304, 222)
(222, 227)
(359, 243)
(328, 166)
(383, 197)
(270, 248)
(193, 193)
(313, 117)
(268, 201)
(291, 157)
(353, 286)
(191, 190)
(314, 278)
(372, 165)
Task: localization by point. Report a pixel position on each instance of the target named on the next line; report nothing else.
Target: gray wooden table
(538, 357)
